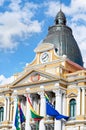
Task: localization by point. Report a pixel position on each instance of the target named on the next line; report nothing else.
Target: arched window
(72, 107)
(1, 114)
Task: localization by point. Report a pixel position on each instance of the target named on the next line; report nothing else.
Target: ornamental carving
(35, 77)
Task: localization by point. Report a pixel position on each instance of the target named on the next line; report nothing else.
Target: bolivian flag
(34, 115)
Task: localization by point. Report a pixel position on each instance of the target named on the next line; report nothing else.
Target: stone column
(42, 108)
(78, 103)
(28, 113)
(11, 110)
(83, 101)
(64, 102)
(58, 108)
(8, 108)
(5, 108)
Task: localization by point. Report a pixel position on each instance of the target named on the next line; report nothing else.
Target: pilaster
(8, 107)
(83, 101)
(5, 110)
(78, 102)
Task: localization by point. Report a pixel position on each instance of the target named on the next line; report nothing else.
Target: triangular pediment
(33, 76)
(70, 95)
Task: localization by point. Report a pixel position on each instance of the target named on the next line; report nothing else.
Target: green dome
(61, 36)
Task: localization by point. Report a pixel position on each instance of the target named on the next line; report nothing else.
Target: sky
(24, 24)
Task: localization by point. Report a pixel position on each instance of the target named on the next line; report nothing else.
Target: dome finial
(60, 18)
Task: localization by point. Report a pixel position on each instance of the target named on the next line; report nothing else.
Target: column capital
(83, 88)
(15, 93)
(28, 90)
(41, 93)
(64, 92)
(7, 97)
(57, 85)
(58, 92)
(42, 88)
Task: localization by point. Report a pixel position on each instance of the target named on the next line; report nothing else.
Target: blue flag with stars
(50, 110)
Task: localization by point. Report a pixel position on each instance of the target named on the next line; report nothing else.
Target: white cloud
(4, 80)
(1, 2)
(17, 23)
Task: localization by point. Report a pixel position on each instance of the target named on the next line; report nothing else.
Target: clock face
(44, 57)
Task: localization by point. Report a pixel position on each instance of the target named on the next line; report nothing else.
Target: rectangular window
(1, 113)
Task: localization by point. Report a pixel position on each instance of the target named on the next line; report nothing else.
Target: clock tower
(45, 53)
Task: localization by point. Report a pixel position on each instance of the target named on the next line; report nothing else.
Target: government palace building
(56, 70)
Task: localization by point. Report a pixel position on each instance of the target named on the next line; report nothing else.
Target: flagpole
(37, 125)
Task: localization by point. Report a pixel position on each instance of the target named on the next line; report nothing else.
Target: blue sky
(24, 24)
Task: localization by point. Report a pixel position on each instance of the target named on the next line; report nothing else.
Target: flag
(34, 115)
(47, 98)
(22, 117)
(51, 111)
(19, 118)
